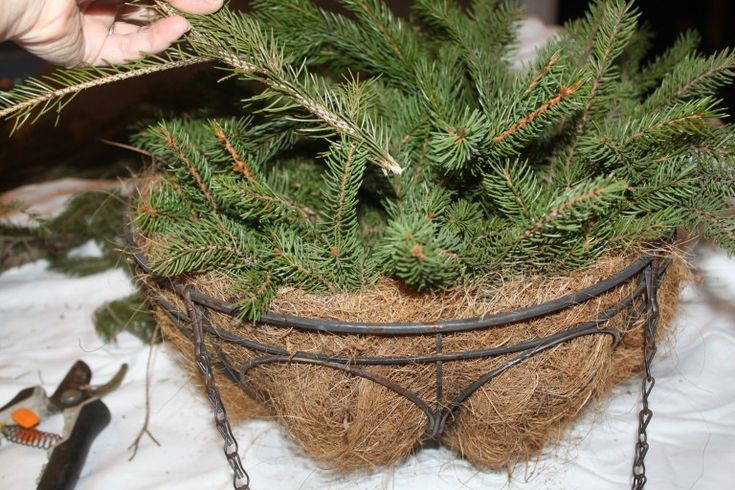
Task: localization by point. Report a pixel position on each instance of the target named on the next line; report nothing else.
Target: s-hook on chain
(650, 275)
(240, 479)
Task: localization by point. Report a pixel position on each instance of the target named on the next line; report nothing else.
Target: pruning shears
(85, 415)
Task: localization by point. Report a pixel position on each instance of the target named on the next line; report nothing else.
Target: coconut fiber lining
(348, 421)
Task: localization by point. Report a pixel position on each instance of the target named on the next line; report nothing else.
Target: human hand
(98, 32)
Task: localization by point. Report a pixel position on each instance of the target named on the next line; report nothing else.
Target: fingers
(124, 28)
(69, 32)
(197, 6)
(110, 42)
(128, 42)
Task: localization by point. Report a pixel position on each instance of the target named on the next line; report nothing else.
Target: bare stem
(145, 430)
(112, 78)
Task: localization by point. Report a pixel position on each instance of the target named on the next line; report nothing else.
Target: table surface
(45, 322)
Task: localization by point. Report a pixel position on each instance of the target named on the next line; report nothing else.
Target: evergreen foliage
(413, 149)
(90, 216)
(128, 314)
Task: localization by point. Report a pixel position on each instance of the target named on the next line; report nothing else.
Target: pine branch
(624, 141)
(202, 246)
(635, 52)
(612, 32)
(453, 148)
(242, 44)
(464, 219)
(527, 120)
(627, 232)
(692, 77)
(298, 262)
(255, 200)
(421, 198)
(499, 21)
(723, 227)
(652, 74)
(184, 157)
(415, 251)
(438, 83)
(372, 40)
(302, 27)
(572, 208)
(545, 69)
(717, 220)
(481, 41)
(51, 93)
(160, 205)
(253, 289)
(584, 31)
(673, 183)
(241, 165)
(392, 32)
(342, 182)
(514, 188)
(509, 137)
(339, 228)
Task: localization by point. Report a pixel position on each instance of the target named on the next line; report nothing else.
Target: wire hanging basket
(191, 312)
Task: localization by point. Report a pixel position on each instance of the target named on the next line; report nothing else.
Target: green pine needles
(380, 146)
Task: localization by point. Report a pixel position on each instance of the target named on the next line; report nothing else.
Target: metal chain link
(650, 275)
(240, 479)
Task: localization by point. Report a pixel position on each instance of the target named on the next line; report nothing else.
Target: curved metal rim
(409, 328)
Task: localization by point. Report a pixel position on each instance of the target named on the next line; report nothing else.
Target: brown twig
(564, 92)
(145, 429)
(542, 73)
(241, 166)
(112, 78)
(171, 143)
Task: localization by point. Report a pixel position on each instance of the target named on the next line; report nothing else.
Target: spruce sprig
(693, 77)
(514, 188)
(51, 93)
(243, 45)
(508, 170)
(481, 39)
(208, 245)
(608, 30)
(651, 75)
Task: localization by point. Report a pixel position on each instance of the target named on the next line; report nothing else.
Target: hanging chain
(240, 479)
(650, 276)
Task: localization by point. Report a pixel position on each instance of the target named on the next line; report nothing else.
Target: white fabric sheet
(45, 325)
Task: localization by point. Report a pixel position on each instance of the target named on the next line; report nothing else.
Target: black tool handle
(67, 459)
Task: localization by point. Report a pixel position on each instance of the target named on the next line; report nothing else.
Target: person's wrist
(49, 29)
(9, 14)
(16, 17)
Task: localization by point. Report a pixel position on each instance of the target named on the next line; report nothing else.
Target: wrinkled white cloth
(45, 325)
(45, 200)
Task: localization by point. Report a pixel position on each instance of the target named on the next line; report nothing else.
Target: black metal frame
(646, 271)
